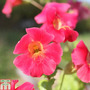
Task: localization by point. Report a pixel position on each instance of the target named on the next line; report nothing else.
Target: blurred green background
(13, 28)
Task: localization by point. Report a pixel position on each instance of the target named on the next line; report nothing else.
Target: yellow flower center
(35, 49)
(57, 23)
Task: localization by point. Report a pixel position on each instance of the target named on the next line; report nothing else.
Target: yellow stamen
(64, 27)
(35, 49)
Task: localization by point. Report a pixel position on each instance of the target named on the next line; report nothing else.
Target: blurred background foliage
(13, 28)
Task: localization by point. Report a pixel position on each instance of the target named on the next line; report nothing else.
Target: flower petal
(7, 8)
(59, 35)
(36, 68)
(22, 45)
(54, 51)
(49, 16)
(16, 2)
(59, 6)
(23, 62)
(40, 35)
(84, 73)
(79, 54)
(70, 19)
(49, 66)
(25, 86)
(70, 35)
(41, 18)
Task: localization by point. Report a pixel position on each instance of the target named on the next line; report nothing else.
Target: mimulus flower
(81, 59)
(57, 13)
(55, 16)
(38, 55)
(9, 5)
(25, 86)
(83, 11)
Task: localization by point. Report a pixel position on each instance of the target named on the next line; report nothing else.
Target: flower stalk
(62, 81)
(34, 3)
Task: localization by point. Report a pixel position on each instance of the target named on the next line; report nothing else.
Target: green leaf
(52, 75)
(46, 84)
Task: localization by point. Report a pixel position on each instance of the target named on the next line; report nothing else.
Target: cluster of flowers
(40, 50)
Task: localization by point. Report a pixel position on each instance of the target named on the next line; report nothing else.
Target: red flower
(81, 59)
(38, 55)
(9, 5)
(25, 86)
(83, 11)
(56, 20)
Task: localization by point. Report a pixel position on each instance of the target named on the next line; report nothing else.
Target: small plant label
(5, 84)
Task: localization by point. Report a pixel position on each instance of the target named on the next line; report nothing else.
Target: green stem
(34, 3)
(62, 81)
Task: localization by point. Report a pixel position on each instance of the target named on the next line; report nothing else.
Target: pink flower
(38, 55)
(25, 86)
(9, 5)
(55, 18)
(54, 13)
(83, 11)
(81, 59)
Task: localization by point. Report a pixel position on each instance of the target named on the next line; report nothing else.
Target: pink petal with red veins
(48, 66)
(79, 54)
(7, 8)
(22, 45)
(40, 35)
(70, 35)
(54, 51)
(84, 73)
(36, 68)
(23, 62)
(25, 86)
